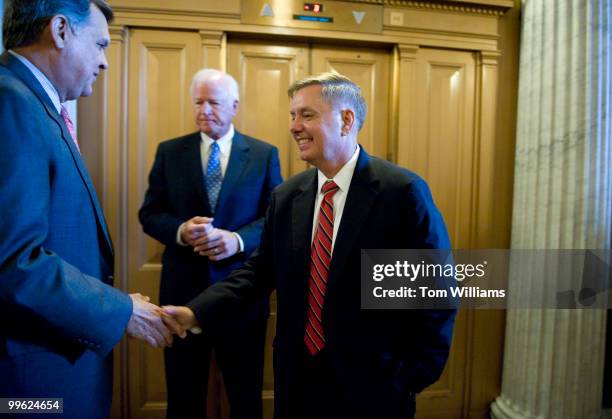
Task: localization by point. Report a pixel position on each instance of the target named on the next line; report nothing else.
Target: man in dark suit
(209, 190)
(61, 317)
(332, 359)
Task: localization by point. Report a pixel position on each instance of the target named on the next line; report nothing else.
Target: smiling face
(84, 56)
(320, 130)
(214, 107)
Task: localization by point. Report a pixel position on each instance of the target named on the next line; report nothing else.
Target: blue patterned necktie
(213, 177)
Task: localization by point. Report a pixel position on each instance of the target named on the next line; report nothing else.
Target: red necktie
(66, 117)
(320, 260)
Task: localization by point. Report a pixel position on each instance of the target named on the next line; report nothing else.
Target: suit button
(110, 278)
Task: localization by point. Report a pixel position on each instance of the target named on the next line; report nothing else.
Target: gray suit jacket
(56, 258)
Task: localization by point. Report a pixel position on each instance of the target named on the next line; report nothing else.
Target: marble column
(553, 359)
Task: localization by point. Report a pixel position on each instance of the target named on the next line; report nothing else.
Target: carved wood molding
(407, 51)
(486, 7)
(490, 58)
(117, 33)
(211, 38)
(139, 10)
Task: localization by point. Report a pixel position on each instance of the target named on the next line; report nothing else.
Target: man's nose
(295, 126)
(206, 108)
(104, 61)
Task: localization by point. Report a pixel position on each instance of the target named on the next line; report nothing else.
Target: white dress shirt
(343, 180)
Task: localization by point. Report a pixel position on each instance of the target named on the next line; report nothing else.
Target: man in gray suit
(61, 317)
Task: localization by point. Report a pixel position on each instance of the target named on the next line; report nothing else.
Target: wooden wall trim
(231, 8)
(390, 36)
(495, 8)
(484, 217)
(439, 24)
(211, 8)
(214, 49)
(406, 79)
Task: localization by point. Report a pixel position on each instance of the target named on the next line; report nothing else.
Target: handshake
(156, 325)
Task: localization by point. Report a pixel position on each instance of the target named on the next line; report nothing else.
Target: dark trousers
(240, 357)
(324, 396)
(321, 395)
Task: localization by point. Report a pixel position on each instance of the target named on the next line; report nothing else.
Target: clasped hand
(148, 323)
(156, 325)
(206, 240)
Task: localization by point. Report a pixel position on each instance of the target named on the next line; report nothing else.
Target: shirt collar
(225, 142)
(344, 176)
(42, 79)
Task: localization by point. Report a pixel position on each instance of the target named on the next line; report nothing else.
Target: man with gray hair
(208, 193)
(333, 360)
(61, 317)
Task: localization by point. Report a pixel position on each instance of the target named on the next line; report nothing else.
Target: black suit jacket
(380, 357)
(177, 193)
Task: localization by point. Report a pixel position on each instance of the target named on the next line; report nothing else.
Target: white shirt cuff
(178, 235)
(240, 243)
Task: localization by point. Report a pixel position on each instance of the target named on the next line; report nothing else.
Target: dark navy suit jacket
(380, 358)
(59, 315)
(177, 193)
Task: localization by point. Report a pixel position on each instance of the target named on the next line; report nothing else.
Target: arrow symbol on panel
(266, 11)
(358, 16)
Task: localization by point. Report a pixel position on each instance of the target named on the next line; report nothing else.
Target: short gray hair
(337, 89)
(209, 74)
(25, 20)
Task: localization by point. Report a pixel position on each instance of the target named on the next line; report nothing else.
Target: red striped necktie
(320, 260)
(66, 117)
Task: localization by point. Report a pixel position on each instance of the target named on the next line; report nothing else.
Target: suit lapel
(301, 225)
(362, 195)
(28, 78)
(239, 156)
(80, 164)
(194, 169)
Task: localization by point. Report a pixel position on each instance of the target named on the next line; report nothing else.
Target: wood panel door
(161, 64)
(369, 68)
(444, 141)
(264, 72)
(443, 148)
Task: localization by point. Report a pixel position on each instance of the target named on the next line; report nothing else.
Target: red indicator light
(313, 7)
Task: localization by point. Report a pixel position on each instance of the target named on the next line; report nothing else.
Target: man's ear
(60, 30)
(348, 120)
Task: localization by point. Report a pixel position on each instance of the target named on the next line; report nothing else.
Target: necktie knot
(214, 148)
(329, 187)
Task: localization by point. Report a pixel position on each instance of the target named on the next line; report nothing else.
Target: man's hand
(196, 229)
(217, 245)
(146, 323)
(183, 317)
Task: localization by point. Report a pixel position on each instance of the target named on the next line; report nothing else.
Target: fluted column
(553, 359)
